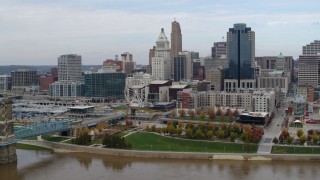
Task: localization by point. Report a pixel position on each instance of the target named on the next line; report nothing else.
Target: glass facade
(239, 53)
(108, 85)
(179, 68)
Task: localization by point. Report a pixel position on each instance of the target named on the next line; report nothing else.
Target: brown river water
(44, 165)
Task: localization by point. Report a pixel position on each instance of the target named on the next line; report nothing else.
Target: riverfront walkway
(273, 130)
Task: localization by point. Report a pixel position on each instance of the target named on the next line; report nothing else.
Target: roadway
(274, 128)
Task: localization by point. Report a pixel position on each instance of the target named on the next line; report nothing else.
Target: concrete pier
(7, 139)
(8, 154)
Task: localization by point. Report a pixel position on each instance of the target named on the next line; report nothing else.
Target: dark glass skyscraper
(179, 68)
(240, 53)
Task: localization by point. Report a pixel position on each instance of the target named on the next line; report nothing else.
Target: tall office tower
(127, 57)
(176, 43)
(312, 48)
(219, 49)
(161, 60)
(182, 66)
(128, 64)
(70, 80)
(309, 65)
(152, 53)
(241, 57)
(69, 68)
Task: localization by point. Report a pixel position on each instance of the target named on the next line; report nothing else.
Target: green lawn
(150, 141)
(96, 141)
(295, 150)
(54, 138)
(31, 147)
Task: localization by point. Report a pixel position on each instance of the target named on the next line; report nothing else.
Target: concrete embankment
(62, 147)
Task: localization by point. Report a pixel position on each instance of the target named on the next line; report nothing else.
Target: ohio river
(44, 165)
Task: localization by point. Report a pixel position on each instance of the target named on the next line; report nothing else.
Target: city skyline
(37, 32)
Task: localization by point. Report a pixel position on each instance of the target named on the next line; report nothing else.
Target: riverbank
(62, 147)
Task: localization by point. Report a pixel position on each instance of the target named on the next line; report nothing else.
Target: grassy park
(155, 142)
(31, 147)
(295, 150)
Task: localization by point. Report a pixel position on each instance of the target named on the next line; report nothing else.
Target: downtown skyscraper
(241, 57)
(176, 43)
(161, 60)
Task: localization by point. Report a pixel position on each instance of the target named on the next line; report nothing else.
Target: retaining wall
(176, 155)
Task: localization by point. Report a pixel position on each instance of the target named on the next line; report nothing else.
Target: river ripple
(41, 165)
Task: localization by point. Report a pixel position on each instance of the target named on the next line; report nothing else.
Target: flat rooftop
(81, 107)
(255, 114)
(178, 86)
(158, 82)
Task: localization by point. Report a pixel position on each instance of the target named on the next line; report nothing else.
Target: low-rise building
(259, 118)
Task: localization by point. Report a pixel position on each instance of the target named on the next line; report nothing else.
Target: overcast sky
(36, 32)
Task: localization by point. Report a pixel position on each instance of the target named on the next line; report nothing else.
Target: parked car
(311, 121)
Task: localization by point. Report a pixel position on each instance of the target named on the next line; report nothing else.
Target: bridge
(37, 129)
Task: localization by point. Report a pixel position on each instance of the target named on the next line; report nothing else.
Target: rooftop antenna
(174, 19)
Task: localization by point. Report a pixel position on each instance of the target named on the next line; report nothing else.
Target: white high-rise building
(70, 81)
(69, 68)
(263, 101)
(161, 61)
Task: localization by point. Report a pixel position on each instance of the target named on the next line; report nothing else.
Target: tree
(219, 112)
(180, 124)
(220, 134)
(284, 134)
(173, 113)
(289, 139)
(83, 139)
(179, 131)
(199, 134)
(246, 133)
(235, 128)
(182, 113)
(229, 113)
(300, 132)
(189, 125)
(147, 128)
(212, 115)
(202, 115)
(171, 130)
(191, 114)
(223, 126)
(275, 140)
(315, 137)
(101, 126)
(169, 123)
(153, 128)
(115, 141)
(211, 126)
(209, 134)
(235, 113)
(256, 135)
(198, 111)
(302, 139)
(233, 136)
(189, 133)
